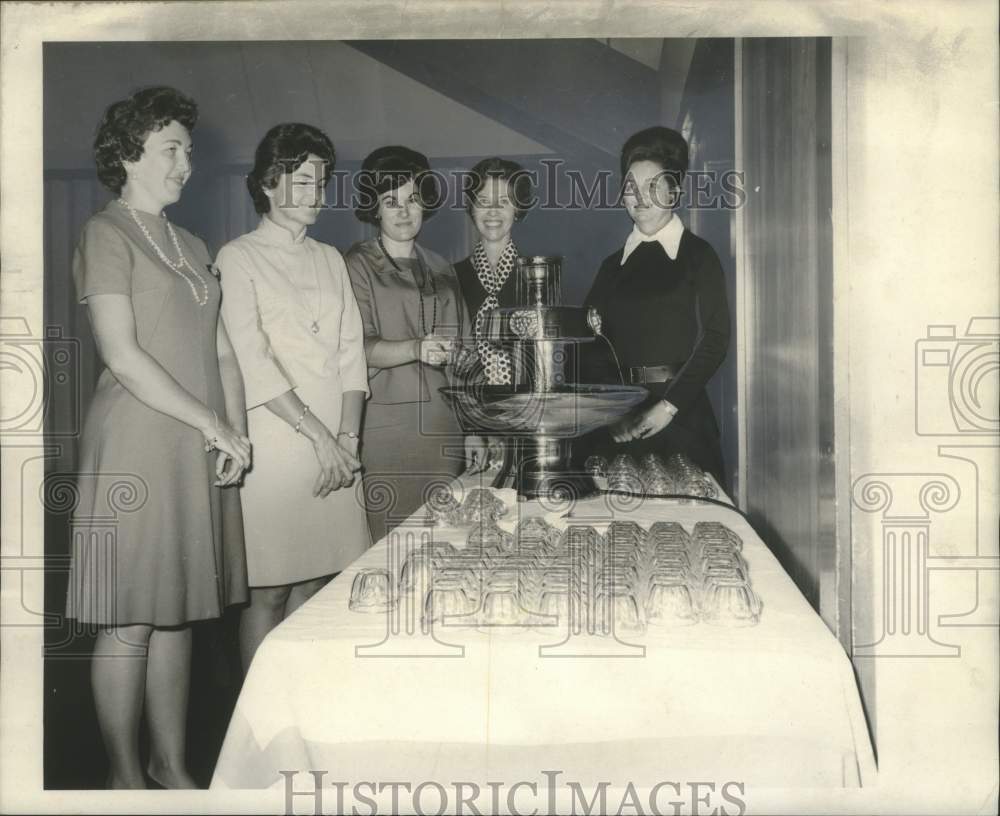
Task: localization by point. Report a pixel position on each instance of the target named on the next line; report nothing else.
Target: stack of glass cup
(620, 595)
(726, 595)
(652, 477)
(372, 591)
(563, 596)
(656, 479)
(690, 479)
(596, 466)
(480, 505)
(672, 582)
(578, 580)
(623, 475)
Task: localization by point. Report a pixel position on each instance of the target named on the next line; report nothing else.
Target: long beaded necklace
(420, 287)
(305, 301)
(177, 266)
(314, 326)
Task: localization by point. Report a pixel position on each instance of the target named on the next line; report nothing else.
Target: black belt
(641, 375)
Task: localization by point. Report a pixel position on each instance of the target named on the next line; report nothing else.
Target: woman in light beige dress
(295, 325)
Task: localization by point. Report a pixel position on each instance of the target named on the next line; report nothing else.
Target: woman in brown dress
(158, 541)
(413, 314)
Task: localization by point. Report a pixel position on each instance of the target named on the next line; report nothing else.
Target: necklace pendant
(314, 327)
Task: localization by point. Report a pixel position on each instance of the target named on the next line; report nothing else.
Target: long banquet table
(379, 697)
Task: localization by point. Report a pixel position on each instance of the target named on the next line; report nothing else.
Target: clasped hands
(234, 452)
(647, 422)
(338, 462)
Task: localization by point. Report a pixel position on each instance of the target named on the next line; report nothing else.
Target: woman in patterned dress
(158, 542)
(499, 195)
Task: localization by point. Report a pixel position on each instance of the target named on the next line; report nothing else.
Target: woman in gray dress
(414, 317)
(158, 541)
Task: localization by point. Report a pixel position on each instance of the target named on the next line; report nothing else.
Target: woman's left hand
(351, 463)
(228, 470)
(351, 445)
(477, 450)
(648, 422)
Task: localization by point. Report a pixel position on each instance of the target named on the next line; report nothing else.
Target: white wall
(921, 249)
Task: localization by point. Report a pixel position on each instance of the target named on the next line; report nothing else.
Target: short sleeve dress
(154, 540)
(292, 318)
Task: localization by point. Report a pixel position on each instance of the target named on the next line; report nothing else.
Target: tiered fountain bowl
(545, 408)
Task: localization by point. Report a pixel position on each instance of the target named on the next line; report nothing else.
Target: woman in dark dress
(498, 196)
(662, 299)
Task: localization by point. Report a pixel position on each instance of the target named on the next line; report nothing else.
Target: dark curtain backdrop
(790, 441)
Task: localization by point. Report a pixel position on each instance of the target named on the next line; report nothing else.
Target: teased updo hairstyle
(284, 149)
(389, 168)
(128, 122)
(518, 183)
(660, 145)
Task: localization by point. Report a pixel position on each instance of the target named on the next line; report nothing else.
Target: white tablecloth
(356, 696)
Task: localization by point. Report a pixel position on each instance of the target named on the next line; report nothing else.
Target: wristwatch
(349, 434)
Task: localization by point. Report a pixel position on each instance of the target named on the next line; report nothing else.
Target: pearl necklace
(176, 266)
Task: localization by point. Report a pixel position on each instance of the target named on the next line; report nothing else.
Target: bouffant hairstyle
(660, 145)
(389, 168)
(519, 183)
(128, 122)
(284, 149)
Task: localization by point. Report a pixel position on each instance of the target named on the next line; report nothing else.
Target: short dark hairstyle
(518, 182)
(660, 145)
(388, 168)
(284, 149)
(128, 122)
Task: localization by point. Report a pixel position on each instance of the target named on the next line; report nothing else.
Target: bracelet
(212, 444)
(298, 422)
(349, 434)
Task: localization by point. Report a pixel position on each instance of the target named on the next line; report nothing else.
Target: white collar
(668, 235)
